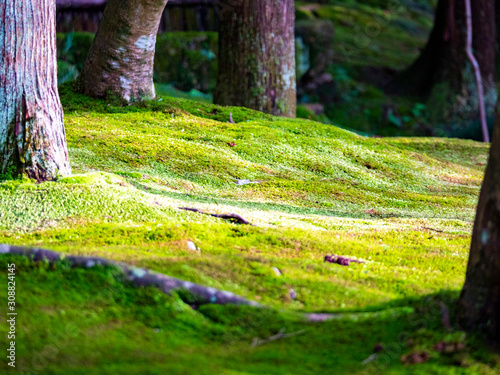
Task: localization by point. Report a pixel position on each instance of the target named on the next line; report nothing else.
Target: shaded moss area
(81, 314)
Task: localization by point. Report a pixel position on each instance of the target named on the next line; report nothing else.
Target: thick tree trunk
(479, 306)
(257, 56)
(444, 75)
(120, 60)
(32, 137)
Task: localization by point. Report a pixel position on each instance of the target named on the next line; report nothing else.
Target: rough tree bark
(479, 305)
(257, 56)
(32, 137)
(443, 74)
(120, 60)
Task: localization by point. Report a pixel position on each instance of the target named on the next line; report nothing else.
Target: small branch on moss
(281, 335)
(138, 276)
(371, 358)
(435, 230)
(231, 217)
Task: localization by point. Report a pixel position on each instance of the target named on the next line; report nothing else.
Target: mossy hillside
(331, 169)
(322, 190)
(371, 36)
(135, 166)
(76, 316)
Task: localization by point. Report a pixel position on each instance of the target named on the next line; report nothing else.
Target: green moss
(404, 206)
(94, 322)
(317, 186)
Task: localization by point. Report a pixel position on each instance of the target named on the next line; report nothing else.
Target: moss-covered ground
(403, 206)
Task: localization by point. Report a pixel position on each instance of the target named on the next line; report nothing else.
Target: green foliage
(72, 50)
(187, 60)
(9, 174)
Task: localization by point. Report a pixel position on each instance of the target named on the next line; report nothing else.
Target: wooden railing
(179, 15)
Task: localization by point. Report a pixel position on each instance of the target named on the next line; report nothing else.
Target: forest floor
(402, 206)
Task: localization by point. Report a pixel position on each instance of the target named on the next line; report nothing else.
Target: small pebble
(293, 294)
(276, 271)
(191, 246)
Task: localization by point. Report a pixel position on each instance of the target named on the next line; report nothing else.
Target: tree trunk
(479, 305)
(32, 137)
(120, 60)
(257, 56)
(497, 40)
(443, 74)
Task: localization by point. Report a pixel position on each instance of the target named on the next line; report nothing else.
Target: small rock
(243, 182)
(246, 182)
(192, 246)
(293, 294)
(276, 271)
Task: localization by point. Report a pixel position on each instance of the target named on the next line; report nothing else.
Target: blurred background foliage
(346, 52)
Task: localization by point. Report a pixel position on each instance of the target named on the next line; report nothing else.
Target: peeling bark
(479, 305)
(32, 137)
(257, 56)
(120, 60)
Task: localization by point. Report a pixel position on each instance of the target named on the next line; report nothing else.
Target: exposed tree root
(138, 276)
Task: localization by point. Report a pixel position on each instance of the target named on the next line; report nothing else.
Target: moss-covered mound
(402, 206)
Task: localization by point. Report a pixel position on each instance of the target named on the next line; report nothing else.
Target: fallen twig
(370, 359)
(281, 335)
(232, 217)
(435, 230)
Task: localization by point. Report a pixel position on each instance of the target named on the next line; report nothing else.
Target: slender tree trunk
(257, 56)
(479, 305)
(443, 73)
(120, 60)
(32, 137)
